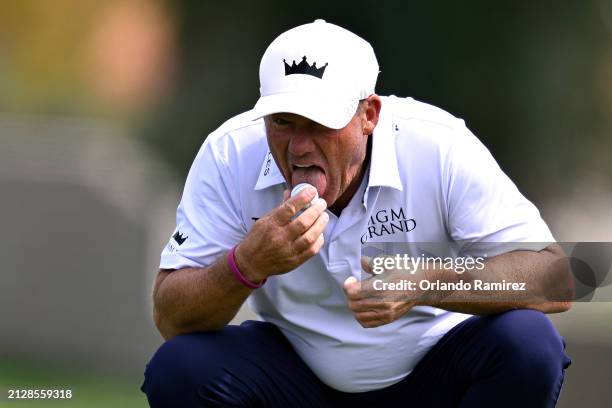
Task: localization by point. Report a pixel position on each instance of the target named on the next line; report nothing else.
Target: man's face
(329, 159)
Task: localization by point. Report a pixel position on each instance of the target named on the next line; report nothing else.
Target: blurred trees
(533, 80)
(86, 57)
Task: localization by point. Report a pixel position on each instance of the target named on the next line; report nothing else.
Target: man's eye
(280, 121)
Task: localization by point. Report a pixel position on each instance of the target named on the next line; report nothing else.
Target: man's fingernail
(310, 190)
(350, 280)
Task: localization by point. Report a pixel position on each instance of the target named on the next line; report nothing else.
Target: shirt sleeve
(485, 206)
(208, 220)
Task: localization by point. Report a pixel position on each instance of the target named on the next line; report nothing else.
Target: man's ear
(371, 112)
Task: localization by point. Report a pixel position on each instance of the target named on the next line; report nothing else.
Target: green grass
(88, 390)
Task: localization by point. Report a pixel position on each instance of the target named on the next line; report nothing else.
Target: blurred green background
(104, 104)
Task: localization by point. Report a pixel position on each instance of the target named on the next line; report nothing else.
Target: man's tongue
(312, 175)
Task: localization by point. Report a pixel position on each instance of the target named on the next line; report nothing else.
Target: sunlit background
(103, 105)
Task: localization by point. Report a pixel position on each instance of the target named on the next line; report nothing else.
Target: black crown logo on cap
(304, 68)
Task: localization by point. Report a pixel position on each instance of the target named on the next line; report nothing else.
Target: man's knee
(530, 345)
(184, 367)
(211, 368)
(173, 373)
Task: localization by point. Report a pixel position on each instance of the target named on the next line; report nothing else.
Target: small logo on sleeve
(179, 238)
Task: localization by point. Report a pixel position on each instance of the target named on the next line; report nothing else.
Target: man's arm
(183, 298)
(546, 275)
(202, 299)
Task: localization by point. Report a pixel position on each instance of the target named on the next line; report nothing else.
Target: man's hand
(373, 308)
(541, 280)
(280, 242)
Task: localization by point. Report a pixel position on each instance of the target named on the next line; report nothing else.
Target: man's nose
(301, 143)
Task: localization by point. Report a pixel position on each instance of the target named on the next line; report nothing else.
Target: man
(386, 169)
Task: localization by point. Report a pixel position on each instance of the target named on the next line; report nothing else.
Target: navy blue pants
(514, 359)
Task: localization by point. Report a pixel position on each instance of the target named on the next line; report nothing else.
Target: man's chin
(330, 200)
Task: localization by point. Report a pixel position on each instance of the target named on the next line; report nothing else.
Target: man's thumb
(349, 281)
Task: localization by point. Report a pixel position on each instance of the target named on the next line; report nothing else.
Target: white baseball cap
(319, 71)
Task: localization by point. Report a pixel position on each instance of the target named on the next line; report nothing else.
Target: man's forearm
(201, 299)
(197, 299)
(545, 275)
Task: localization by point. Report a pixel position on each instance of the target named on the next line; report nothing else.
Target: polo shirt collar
(383, 160)
(269, 174)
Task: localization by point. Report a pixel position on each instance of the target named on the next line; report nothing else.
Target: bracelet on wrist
(231, 261)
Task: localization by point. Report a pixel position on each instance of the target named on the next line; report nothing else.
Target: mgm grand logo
(387, 222)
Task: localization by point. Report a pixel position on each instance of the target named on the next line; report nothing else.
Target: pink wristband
(231, 261)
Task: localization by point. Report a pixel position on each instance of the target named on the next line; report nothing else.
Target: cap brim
(330, 112)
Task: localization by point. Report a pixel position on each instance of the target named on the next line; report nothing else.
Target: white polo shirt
(428, 175)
